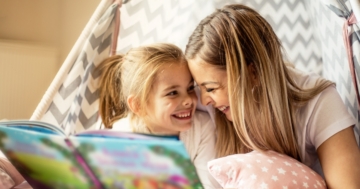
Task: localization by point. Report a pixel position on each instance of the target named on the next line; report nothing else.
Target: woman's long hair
(234, 39)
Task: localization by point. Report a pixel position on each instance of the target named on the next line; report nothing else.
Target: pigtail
(112, 106)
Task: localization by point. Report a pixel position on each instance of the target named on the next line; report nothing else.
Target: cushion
(264, 170)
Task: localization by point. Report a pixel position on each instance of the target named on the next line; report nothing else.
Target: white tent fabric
(71, 100)
(310, 31)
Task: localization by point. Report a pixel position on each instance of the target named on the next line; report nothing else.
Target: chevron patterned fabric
(328, 20)
(313, 42)
(309, 30)
(145, 22)
(75, 106)
(291, 23)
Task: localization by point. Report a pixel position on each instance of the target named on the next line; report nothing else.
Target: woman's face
(212, 82)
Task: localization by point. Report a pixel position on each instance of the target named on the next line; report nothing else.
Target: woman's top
(322, 117)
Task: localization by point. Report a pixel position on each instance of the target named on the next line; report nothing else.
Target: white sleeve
(205, 151)
(329, 116)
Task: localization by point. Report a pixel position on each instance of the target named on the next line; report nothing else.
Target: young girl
(150, 90)
(263, 104)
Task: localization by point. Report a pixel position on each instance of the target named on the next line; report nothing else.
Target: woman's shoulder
(304, 79)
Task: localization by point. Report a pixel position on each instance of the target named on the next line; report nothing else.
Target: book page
(44, 160)
(37, 126)
(138, 164)
(108, 133)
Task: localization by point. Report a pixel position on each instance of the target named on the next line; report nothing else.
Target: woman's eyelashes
(209, 90)
(191, 88)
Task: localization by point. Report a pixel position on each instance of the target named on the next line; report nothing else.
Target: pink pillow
(264, 170)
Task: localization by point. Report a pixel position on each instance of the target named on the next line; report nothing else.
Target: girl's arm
(340, 160)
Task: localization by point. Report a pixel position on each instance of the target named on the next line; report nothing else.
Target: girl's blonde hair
(132, 74)
(263, 113)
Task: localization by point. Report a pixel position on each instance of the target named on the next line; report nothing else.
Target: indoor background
(35, 38)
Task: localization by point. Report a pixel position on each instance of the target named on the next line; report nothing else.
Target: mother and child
(258, 101)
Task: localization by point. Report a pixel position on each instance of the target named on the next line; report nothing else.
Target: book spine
(84, 165)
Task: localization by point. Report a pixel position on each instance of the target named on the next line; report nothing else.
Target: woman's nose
(206, 100)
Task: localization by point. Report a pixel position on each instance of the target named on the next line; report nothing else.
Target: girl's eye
(172, 93)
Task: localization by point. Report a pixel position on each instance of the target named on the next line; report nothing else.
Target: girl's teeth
(183, 115)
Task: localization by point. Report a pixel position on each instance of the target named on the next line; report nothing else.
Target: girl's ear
(133, 104)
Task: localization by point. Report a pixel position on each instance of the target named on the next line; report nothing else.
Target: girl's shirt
(199, 141)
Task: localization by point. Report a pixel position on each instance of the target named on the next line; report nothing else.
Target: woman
(263, 104)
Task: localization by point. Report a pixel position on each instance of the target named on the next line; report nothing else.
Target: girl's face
(172, 100)
(213, 85)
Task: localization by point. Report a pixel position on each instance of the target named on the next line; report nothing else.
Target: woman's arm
(340, 160)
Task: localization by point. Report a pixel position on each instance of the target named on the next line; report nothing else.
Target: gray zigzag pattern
(78, 99)
(276, 6)
(87, 122)
(105, 44)
(71, 118)
(109, 13)
(87, 72)
(292, 5)
(303, 59)
(285, 20)
(313, 57)
(104, 28)
(328, 34)
(339, 12)
(298, 39)
(54, 110)
(91, 97)
(355, 37)
(349, 85)
(96, 41)
(150, 16)
(84, 59)
(64, 92)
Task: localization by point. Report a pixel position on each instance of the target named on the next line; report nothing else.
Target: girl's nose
(188, 101)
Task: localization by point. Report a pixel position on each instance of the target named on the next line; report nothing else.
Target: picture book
(97, 159)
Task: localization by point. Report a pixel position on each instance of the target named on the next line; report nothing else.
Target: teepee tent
(318, 36)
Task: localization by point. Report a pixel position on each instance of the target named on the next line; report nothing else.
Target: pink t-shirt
(323, 116)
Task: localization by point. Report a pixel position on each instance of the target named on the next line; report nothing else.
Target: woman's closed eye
(191, 88)
(209, 90)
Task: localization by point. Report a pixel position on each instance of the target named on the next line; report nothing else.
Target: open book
(47, 158)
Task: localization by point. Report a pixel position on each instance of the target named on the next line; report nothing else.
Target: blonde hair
(132, 74)
(232, 38)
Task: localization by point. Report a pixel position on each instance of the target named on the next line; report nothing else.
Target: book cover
(96, 159)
